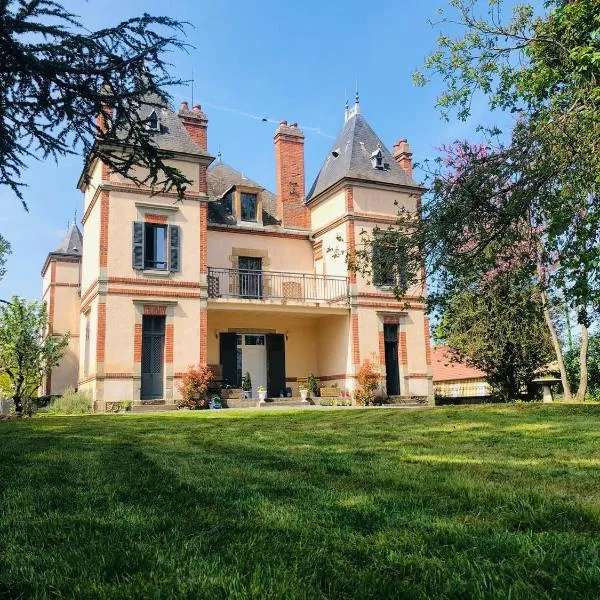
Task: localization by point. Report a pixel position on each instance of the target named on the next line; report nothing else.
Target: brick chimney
(105, 114)
(289, 168)
(403, 155)
(196, 123)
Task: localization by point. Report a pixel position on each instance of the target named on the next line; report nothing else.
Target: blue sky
(282, 60)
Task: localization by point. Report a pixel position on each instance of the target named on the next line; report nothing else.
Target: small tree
(247, 382)
(368, 380)
(27, 353)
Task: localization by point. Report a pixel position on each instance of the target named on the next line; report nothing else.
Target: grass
(456, 502)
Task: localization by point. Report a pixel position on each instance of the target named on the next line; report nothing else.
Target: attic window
(377, 159)
(152, 123)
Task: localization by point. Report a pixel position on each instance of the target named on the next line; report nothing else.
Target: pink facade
(237, 276)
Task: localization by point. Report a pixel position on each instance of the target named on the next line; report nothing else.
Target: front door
(254, 360)
(390, 337)
(275, 365)
(250, 276)
(153, 349)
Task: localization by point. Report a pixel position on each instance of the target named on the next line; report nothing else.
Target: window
(152, 123)
(255, 340)
(155, 246)
(249, 205)
(388, 259)
(227, 203)
(377, 159)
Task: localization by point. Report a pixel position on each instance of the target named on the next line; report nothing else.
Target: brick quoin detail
(203, 238)
(427, 341)
(151, 293)
(355, 341)
(202, 180)
(391, 320)
(159, 311)
(137, 343)
(403, 349)
(203, 336)
(349, 194)
(101, 338)
(169, 335)
(381, 348)
(104, 228)
(52, 298)
(158, 219)
(289, 170)
(351, 240)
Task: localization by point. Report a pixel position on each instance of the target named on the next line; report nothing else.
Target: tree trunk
(583, 368)
(556, 346)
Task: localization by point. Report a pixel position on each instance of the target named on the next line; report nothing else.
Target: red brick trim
(355, 341)
(381, 348)
(376, 216)
(203, 336)
(84, 306)
(388, 295)
(427, 341)
(158, 219)
(133, 188)
(151, 293)
(203, 239)
(391, 319)
(104, 201)
(116, 376)
(349, 197)
(318, 250)
(156, 310)
(169, 344)
(86, 379)
(90, 207)
(403, 349)
(397, 305)
(418, 375)
(67, 285)
(137, 343)
(278, 234)
(52, 297)
(324, 377)
(90, 288)
(101, 336)
(154, 282)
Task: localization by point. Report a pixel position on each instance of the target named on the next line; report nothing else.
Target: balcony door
(250, 277)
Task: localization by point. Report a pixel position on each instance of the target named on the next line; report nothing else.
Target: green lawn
(487, 502)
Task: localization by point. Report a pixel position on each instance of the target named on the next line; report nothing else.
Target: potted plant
(247, 385)
(304, 392)
(313, 385)
(262, 393)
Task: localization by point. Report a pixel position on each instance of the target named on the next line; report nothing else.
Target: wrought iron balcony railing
(298, 287)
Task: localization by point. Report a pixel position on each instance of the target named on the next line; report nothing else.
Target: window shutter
(138, 245)
(174, 248)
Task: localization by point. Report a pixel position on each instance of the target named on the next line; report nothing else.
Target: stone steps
(152, 407)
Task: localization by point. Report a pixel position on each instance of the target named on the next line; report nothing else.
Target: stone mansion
(235, 275)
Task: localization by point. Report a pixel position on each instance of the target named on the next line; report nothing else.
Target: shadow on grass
(296, 508)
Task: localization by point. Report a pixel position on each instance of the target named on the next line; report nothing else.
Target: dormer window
(249, 206)
(377, 159)
(152, 123)
(227, 202)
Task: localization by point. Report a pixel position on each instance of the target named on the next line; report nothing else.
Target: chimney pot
(184, 106)
(283, 123)
(197, 108)
(294, 125)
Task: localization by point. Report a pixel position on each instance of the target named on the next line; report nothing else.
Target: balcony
(304, 288)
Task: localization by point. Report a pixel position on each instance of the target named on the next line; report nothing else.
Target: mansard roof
(171, 134)
(221, 178)
(72, 242)
(351, 157)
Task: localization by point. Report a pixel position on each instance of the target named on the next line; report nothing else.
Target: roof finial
(75, 217)
(356, 98)
(346, 105)
(219, 155)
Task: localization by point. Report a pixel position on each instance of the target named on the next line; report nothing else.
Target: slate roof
(444, 369)
(72, 242)
(221, 178)
(355, 143)
(172, 135)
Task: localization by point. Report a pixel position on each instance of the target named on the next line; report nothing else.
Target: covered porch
(279, 345)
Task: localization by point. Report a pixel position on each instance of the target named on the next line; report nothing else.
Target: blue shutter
(174, 248)
(138, 245)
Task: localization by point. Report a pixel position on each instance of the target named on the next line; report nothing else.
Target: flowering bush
(194, 387)
(368, 380)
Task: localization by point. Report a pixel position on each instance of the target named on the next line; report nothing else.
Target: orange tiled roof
(445, 370)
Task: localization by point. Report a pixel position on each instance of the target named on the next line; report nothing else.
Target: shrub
(368, 381)
(247, 382)
(71, 403)
(313, 385)
(194, 387)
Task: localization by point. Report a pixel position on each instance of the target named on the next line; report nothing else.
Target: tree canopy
(65, 89)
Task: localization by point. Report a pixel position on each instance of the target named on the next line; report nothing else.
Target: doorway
(392, 370)
(153, 357)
